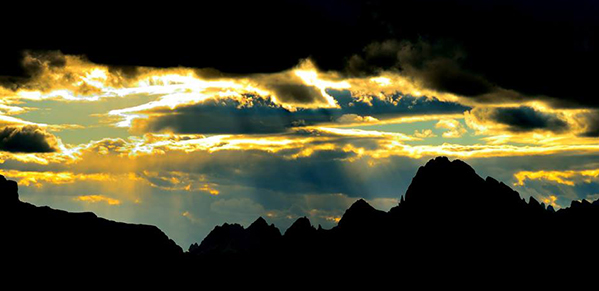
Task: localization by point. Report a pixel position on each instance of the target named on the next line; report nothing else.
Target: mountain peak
(301, 223)
(9, 191)
(260, 228)
(442, 183)
(260, 223)
(360, 214)
(361, 205)
(443, 163)
(300, 228)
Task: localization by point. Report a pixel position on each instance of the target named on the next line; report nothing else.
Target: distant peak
(302, 221)
(361, 204)
(259, 223)
(300, 227)
(359, 213)
(580, 204)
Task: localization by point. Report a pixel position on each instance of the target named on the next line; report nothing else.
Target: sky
(189, 118)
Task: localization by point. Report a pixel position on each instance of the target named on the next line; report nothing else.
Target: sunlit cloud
(454, 128)
(38, 179)
(532, 123)
(73, 78)
(425, 133)
(97, 199)
(570, 178)
(550, 200)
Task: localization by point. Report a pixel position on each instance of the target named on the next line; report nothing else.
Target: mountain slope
(46, 235)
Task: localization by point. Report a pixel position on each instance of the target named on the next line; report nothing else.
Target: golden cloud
(97, 199)
(73, 78)
(425, 133)
(454, 128)
(570, 178)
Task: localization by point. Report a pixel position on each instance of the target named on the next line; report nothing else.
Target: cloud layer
(188, 148)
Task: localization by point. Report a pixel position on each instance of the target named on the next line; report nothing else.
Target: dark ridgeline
(450, 218)
(43, 238)
(451, 221)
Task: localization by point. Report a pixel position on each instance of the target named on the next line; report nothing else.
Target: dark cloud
(296, 93)
(524, 118)
(129, 72)
(219, 116)
(31, 64)
(437, 66)
(230, 117)
(532, 47)
(397, 105)
(36, 61)
(591, 120)
(27, 139)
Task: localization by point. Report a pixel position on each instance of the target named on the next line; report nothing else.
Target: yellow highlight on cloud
(98, 199)
(569, 178)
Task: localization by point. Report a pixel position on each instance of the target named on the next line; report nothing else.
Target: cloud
(266, 103)
(527, 124)
(217, 116)
(27, 139)
(437, 66)
(454, 128)
(300, 86)
(527, 119)
(570, 177)
(261, 116)
(97, 199)
(591, 124)
(352, 118)
(425, 133)
(474, 52)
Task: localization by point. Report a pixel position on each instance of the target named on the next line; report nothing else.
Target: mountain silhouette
(449, 214)
(450, 221)
(42, 235)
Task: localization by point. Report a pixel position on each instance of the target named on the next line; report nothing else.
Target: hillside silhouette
(42, 236)
(448, 217)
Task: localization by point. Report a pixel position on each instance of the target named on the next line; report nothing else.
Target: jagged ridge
(447, 210)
